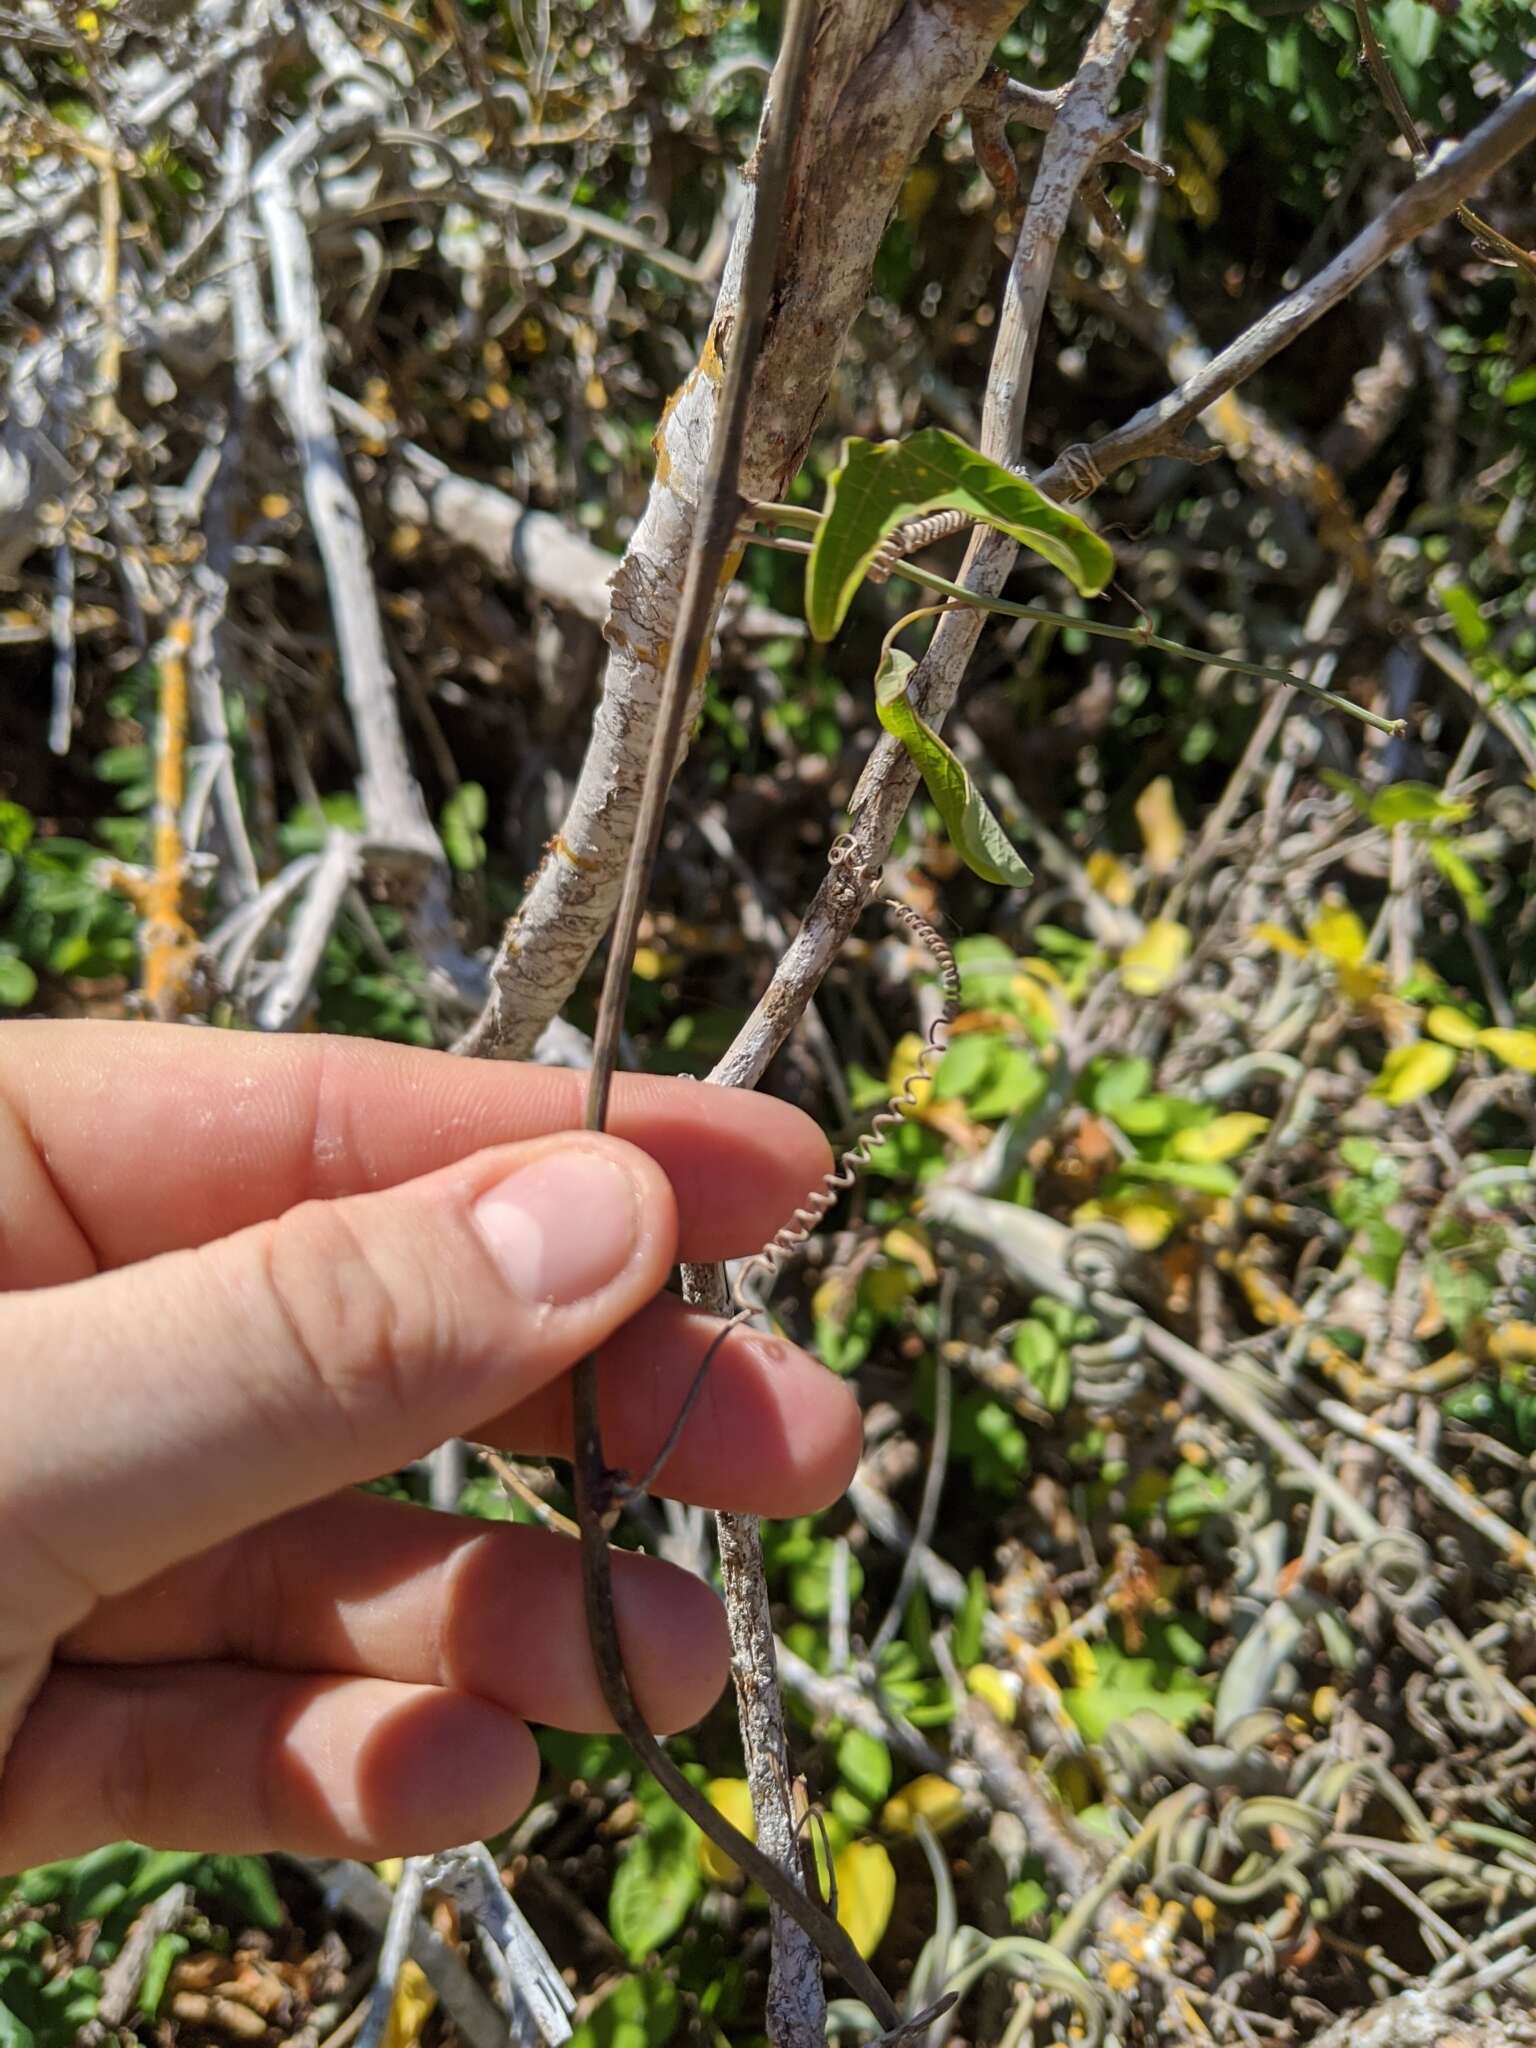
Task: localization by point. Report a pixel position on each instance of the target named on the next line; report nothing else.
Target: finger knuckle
(356, 1330)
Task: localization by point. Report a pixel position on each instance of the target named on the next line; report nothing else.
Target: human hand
(238, 1274)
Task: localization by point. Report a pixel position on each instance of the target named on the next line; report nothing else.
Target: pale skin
(240, 1275)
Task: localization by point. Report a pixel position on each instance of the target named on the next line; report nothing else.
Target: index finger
(119, 1141)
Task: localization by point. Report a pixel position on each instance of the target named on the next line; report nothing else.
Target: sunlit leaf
(1147, 967)
(1416, 803)
(1450, 1026)
(882, 484)
(930, 1798)
(1279, 940)
(1411, 1071)
(732, 1800)
(989, 1684)
(1162, 829)
(864, 1764)
(978, 838)
(1514, 1048)
(866, 1892)
(413, 2005)
(1338, 935)
(1109, 874)
(1223, 1138)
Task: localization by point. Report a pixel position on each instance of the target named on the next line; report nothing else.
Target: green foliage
(640, 2012)
(880, 485)
(659, 1878)
(56, 917)
(978, 838)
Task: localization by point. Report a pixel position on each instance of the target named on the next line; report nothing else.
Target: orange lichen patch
(711, 364)
(561, 849)
(659, 446)
(167, 941)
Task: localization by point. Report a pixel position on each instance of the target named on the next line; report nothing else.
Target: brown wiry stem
(709, 563)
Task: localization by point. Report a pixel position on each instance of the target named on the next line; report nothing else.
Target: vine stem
(712, 557)
(808, 520)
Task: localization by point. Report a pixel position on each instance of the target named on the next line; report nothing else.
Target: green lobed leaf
(978, 838)
(882, 484)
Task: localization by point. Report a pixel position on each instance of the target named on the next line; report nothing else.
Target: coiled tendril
(755, 1277)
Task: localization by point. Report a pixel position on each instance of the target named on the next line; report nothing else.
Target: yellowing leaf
(413, 2006)
(931, 1797)
(1450, 1026)
(1338, 935)
(1514, 1048)
(1409, 1071)
(909, 1241)
(866, 1892)
(1109, 874)
(1162, 829)
(389, 1870)
(1147, 967)
(988, 1683)
(732, 1800)
(1034, 1002)
(905, 1054)
(1148, 1217)
(1223, 1138)
(1279, 940)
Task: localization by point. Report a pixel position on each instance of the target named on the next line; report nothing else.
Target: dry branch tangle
(882, 76)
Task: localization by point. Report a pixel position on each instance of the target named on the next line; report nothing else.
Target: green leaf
(1471, 626)
(978, 838)
(1463, 878)
(244, 1882)
(1045, 1362)
(1133, 1685)
(15, 828)
(1416, 803)
(864, 1765)
(656, 1884)
(18, 984)
(972, 1612)
(464, 817)
(1111, 1085)
(882, 484)
(163, 1957)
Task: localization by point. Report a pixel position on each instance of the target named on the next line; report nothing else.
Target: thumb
(156, 1410)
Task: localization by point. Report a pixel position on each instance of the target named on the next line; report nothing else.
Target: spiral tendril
(760, 1271)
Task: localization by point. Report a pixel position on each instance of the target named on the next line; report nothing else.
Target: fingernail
(562, 1227)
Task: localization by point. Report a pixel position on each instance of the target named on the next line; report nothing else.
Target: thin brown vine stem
(714, 538)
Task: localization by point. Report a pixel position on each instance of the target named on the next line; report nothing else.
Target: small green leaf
(978, 838)
(1471, 626)
(15, 828)
(18, 984)
(864, 1765)
(1463, 878)
(882, 484)
(1045, 1362)
(464, 817)
(163, 1957)
(1416, 803)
